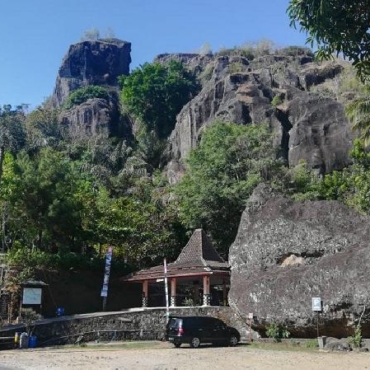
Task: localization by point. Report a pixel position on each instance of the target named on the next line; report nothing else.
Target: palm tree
(358, 112)
(12, 136)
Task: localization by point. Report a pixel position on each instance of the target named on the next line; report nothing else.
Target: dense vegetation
(67, 193)
(222, 172)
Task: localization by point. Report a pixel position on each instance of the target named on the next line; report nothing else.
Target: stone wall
(132, 324)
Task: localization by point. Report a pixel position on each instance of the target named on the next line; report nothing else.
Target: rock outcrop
(91, 63)
(272, 89)
(287, 252)
(195, 62)
(320, 134)
(94, 63)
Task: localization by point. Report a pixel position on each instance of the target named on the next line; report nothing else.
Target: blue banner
(108, 262)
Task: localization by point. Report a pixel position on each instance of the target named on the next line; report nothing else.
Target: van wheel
(233, 341)
(177, 345)
(195, 342)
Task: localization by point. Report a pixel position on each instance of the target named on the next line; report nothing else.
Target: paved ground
(163, 356)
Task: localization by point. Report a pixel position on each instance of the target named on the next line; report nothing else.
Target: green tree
(12, 136)
(221, 174)
(155, 93)
(141, 229)
(43, 128)
(336, 26)
(46, 201)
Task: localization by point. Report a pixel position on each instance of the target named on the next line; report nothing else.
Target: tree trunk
(2, 154)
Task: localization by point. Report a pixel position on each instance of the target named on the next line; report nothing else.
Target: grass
(289, 345)
(119, 345)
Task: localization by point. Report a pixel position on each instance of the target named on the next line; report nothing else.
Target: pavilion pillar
(206, 291)
(173, 292)
(224, 293)
(145, 294)
(196, 297)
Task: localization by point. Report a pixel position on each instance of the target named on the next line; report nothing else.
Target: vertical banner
(108, 262)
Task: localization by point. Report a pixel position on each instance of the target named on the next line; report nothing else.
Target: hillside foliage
(66, 194)
(155, 93)
(222, 172)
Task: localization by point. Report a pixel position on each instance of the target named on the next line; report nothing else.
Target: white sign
(316, 304)
(250, 315)
(104, 291)
(32, 295)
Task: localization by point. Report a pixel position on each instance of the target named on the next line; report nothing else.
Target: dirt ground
(165, 357)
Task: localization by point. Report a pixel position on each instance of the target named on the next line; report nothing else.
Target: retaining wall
(131, 324)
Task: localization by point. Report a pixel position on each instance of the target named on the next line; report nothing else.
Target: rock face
(96, 115)
(320, 133)
(287, 252)
(91, 63)
(195, 62)
(272, 89)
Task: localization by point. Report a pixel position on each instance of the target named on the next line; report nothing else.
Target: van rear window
(174, 323)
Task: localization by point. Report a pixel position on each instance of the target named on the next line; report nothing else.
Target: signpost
(32, 296)
(317, 307)
(108, 262)
(250, 319)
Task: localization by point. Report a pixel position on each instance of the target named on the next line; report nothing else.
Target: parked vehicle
(195, 330)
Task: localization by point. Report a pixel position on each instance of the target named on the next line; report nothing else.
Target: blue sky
(36, 34)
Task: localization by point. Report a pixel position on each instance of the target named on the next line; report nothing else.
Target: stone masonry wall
(132, 324)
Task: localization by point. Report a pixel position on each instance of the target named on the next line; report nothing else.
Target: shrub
(236, 67)
(356, 339)
(206, 74)
(29, 318)
(85, 93)
(276, 101)
(312, 343)
(296, 51)
(275, 332)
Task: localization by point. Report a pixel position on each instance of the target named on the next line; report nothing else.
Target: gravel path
(165, 357)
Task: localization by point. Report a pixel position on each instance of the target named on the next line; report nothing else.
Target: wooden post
(224, 293)
(145, 293)
(206, 291)
(173, 292)
(166, 289)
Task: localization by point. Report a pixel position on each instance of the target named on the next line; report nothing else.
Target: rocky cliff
(287, 252)
(91, 63)
(94, 63)
(273, 89)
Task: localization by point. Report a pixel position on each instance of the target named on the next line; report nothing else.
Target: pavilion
(198, 268)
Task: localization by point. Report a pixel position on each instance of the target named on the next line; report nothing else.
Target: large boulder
(286, 252)
(91, 63)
